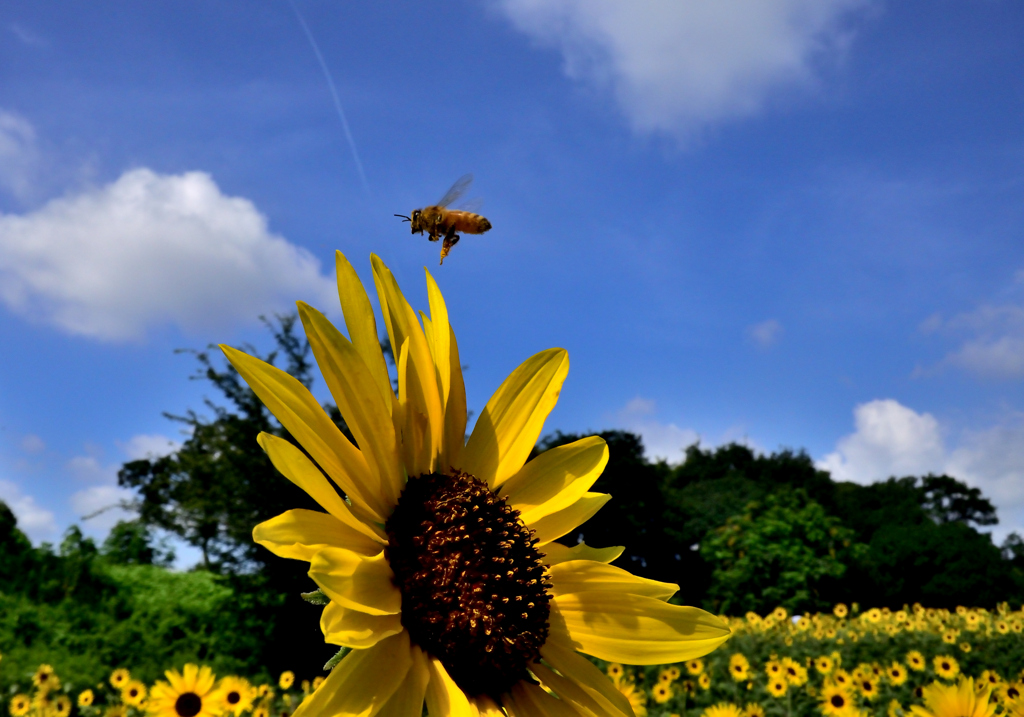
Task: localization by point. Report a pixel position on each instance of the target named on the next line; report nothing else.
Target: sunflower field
(847, 663)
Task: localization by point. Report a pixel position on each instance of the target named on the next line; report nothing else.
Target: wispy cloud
(993, 346)
(676, 66)
(34, 520)
(765, 334)
(19, 155)
(150, 250)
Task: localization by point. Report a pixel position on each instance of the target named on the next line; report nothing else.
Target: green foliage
(784, 550)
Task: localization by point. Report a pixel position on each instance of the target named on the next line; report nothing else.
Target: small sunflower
(318, 680)
(190, 693)
(133, 693)
(704, 681)
(615, 670)
(723, 709)
(915, 660)
(835, 700)
(965, 647)
(636, 697)
(261, 711)
(20, 705)
(85, 698)
(674, 672)
(739, 667)
(695, 667)
(823, 665)
(840, 611)
(843, 678)
(661, 692)
(897, 674)
(753, 709)
(62, 706)
(238, 694)
(946, 667)
(959, 700)
(868, 688)
(439, 537)
(1010, 691)
(773, 668)
(119, 678)
(779, 614)
(949, 637)
(794, 672)
(286, 680)
(45, 679)
(777, 687)
(665, 675)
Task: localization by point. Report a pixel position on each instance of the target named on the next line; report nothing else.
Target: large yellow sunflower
(440, 564)
(238, 694)
(959, 700)
(190, 693)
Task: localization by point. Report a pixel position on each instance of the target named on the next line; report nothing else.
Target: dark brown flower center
(188, 704)
(474, 593)
(838, 701)
(234, 698)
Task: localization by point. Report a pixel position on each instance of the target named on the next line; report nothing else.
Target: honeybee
(440, 222)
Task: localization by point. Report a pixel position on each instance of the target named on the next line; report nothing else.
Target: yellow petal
(360, 403)
(555, 553)
(556, 478)
(422, 391)
(408, 699)
(353, 628)
(300, 534)
(532, 700)
(486, 707)
(510, 423)
(293, 465)
(362, 327)
(582, 672)
(297, 410)
(558, 524)
(363, 682)
(581, 701)
(441, 332)
(455, 411)
(410, 423)
(357, 582)
(578, 576)
(444, 697)
(636, 630)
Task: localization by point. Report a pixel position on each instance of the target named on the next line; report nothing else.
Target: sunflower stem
(333, 662)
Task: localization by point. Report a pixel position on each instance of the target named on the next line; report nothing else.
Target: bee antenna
(405, 217)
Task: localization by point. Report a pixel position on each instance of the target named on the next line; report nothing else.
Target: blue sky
(795, 224)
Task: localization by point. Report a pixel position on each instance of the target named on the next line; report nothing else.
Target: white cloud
(19, 154)
(100, 504)
(149, 446)
(995, 345)
(35, 521)
(893, 440)
(675, 65)
(765, 334)
(661, 441)
(33, 444)
(150, 250)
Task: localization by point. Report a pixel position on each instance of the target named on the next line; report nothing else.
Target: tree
(784, 550)
(131, 542)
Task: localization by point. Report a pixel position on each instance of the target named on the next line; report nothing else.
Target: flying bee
(440, 222)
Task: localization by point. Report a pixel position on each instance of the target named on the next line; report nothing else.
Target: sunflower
(261, 711)
(20, 705)
(238, 694)
(119, 678)
(85, 698)
(615, 671)
(753, 709)
(317, 681)
(915, 660)
(959, 700)
(946, 667)
(897, 674)
(779, 614)
(835, 700)
(840, 611)
(665, 675)
(842, 677)
(965, 647)
(286, 680)
(777, 686)
(867, 687)
(773, 668)
(794, 672)
(635, 697)
(188, 694)
(823, 664)
(949, 636)
(704, 681)
(674, 672)
(1002, 627)
(895, 709)
(661, 692)
(45, 680)
(1010, 691)
(723, 709)
(471, 595)
(62, 706)
(739, 667)
(133, 693)
(695, 667)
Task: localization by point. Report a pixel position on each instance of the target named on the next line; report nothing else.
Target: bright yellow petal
(410, 422)
(636, 630)
(362, 327)
(578, 576)
(300, 534)
(296, 467)
(363, 682)
(422, 391)
(510, 423)
(441, 341)
(360, 403)
(455, 412)
(581, 701)
(297, 410)
(556, 478)
(555, 553)
(559, 653)
(532, 700)
(558, 524)
(365, 584)
(444, 697)
(408, 699)
(354, 628)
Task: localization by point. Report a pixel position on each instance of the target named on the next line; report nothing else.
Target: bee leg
(450, 240)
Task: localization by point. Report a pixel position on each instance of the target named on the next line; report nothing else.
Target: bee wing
(471, 205)
(457, 190)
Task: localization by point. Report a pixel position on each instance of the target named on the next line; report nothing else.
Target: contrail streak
(334, 94)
